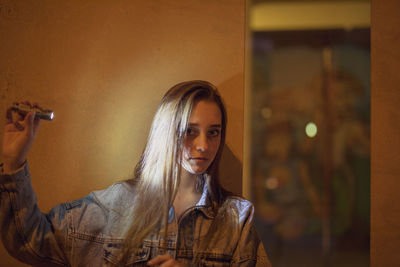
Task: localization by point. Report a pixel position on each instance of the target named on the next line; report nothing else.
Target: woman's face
(203, 137)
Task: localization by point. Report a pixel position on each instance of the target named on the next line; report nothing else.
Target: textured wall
(385, 135)
(103, 66)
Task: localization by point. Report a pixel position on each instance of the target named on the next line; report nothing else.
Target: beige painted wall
(385, 133)
(103, 66)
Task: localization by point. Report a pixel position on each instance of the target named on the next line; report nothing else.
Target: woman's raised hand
(19, 134)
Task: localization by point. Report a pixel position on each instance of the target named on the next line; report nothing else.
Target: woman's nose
(201, 143)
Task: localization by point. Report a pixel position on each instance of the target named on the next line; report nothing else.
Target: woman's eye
(213, 132)
(189, 132)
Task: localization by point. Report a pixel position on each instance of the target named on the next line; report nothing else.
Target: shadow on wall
(231, 165)
(230, 170)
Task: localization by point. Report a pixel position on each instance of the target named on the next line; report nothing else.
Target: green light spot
(311, 129)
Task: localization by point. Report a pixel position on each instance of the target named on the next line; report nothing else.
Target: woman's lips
(199, 159)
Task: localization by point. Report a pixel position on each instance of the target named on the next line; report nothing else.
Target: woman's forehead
(206, 113)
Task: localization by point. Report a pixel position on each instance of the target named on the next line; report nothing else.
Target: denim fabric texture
(89, 231)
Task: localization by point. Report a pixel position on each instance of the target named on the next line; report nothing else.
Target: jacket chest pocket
(214, 263)
(113, 252)
(214, 259)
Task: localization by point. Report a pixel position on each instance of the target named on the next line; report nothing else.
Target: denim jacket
(89, 231)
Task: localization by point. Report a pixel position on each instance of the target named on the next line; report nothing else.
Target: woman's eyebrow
(212, 125)
(215, 125)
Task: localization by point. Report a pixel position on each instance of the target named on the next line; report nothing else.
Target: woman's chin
(197, 170)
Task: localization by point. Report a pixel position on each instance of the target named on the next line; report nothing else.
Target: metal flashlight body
(44, 114)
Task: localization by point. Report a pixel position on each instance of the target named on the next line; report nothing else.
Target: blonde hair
(157, 174)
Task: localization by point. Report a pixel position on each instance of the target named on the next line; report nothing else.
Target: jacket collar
(205, 204)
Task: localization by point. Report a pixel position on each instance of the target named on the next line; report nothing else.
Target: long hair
(158, 172)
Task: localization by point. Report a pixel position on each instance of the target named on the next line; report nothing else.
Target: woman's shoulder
(241, 205)
(239, 201)
(95, 211)
(118, 195)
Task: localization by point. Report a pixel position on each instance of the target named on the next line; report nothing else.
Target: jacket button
(189, 242)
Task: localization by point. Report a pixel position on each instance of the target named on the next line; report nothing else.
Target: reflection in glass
(310, 145)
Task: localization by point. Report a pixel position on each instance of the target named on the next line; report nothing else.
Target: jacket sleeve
(29, 235)
(250, 250)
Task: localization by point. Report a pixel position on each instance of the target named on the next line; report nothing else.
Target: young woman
(173, 212)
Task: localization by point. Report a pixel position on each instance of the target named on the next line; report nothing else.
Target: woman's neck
(187, 195)
(188, 181)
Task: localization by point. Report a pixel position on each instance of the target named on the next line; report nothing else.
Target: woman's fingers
(29, 121)
(159, 259)
(32, 104)
(16, 116)
(36, 105)
(9, 118)
(163, 261)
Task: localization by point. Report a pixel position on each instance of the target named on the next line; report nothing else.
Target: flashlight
(23, 109)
